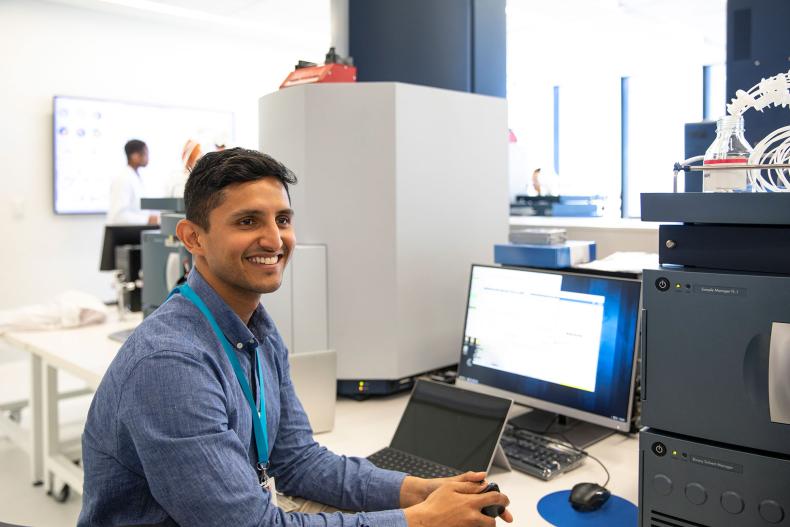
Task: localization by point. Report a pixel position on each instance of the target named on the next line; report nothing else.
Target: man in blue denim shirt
(169, 437)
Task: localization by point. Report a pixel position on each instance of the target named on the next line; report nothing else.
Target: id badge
(268, 486)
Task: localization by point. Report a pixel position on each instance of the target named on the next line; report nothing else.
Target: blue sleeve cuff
(384, 490)
(393, 518)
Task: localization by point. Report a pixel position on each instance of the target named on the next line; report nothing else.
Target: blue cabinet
(453, 44)
(758, 46)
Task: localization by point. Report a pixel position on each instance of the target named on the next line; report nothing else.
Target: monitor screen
(557, 341)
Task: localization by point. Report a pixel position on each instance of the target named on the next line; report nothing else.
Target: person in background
(536, 180)
(190, 154)
(220, 142)
(126, 189)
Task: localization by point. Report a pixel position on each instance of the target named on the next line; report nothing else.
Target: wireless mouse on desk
(588, 497)
(492, 511)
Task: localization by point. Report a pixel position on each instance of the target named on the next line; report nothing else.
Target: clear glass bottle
(729, 147)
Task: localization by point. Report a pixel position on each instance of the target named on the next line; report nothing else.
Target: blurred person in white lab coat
(127, 188)
(190, 154)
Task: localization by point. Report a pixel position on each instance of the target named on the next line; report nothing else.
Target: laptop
(445, 431)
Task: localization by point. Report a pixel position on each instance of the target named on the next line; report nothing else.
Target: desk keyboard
(538, 455)
(391, 459)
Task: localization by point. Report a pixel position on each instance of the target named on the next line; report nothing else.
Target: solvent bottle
(729, 147)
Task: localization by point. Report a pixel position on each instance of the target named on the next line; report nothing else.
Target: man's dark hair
(216, 170)
(133, 146)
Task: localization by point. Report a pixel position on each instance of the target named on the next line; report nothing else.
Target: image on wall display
(89, 137)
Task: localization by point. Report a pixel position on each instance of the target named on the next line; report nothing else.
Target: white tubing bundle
(771, 91)
(774, 149)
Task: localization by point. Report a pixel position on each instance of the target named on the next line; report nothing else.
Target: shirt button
(239, 345)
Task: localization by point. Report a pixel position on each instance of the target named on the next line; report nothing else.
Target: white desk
(361, 428)
(83, 352)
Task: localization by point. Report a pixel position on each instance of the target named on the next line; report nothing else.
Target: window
(589, 52)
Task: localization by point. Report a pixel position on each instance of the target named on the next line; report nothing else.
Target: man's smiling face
(250, 237)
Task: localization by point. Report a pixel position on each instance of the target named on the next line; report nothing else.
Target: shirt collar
(229, 322)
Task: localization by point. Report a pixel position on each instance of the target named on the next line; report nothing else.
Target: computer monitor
(560, 342)
(117, 235)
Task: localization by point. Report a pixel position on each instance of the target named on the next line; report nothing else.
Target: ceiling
(285, 20)
(291, 20)
(702, 17)
(253, 10)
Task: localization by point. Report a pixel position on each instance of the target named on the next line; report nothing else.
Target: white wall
(54, 49)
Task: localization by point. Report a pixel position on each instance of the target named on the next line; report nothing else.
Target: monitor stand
(579, 433)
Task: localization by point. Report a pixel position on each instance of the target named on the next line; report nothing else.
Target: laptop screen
(451, 426)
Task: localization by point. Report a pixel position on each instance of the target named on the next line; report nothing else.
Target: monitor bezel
(548, 406)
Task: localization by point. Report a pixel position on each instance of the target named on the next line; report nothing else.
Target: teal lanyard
(258, 415)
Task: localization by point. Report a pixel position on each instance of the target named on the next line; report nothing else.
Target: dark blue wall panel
(416, 41)
(452, 44)
(697, 138)
(758, 46)
(489, 47)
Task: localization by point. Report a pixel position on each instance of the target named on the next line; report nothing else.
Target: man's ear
(192, 236)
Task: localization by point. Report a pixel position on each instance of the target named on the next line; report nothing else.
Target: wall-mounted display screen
(89, 138)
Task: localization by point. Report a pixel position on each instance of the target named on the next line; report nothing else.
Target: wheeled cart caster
(62, 495)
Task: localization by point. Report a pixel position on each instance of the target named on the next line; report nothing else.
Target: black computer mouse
(492, 511)
(587, 497)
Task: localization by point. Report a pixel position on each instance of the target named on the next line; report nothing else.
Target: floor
(24, 504)
(21, 503)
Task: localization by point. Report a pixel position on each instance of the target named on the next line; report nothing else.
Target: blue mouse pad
(616, 512)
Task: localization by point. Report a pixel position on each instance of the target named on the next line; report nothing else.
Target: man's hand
(416, 490)
(457, 503)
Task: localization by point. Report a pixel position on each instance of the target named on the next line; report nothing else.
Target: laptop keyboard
(538, 455)
(391, 459)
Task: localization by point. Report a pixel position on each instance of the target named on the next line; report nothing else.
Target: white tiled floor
(24, 504)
